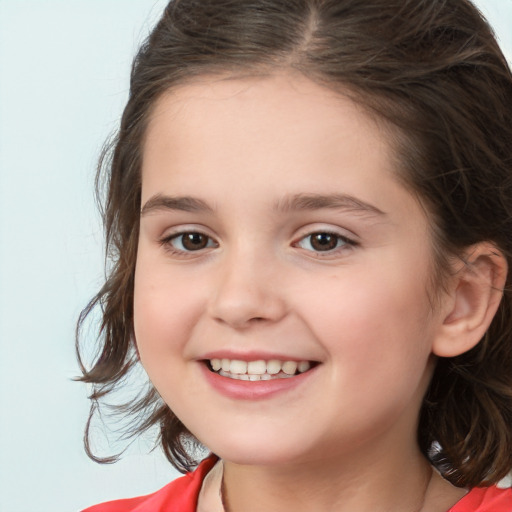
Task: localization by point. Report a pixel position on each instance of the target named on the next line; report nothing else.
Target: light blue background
(64, 67)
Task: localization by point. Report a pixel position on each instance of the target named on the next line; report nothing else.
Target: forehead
(291, 96)
(282, 123)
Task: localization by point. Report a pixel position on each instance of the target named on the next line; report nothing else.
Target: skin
(344, 439)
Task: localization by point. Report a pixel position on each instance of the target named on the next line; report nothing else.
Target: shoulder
(485, 499)
(178, 496)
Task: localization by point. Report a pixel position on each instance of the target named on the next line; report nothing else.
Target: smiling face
(281, 303)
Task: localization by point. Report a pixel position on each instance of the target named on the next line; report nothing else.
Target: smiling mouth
(258, 370)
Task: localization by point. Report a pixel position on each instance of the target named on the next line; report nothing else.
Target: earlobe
(475, 292)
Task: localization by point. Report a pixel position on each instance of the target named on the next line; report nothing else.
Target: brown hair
(432, 70)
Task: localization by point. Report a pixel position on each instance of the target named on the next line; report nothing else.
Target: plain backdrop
(64, 68)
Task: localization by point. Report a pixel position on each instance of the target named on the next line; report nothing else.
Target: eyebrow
(299, 202)
(160, 202)
(296, 202)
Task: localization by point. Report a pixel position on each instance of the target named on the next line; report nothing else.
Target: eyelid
(180, 229)
(318, 227)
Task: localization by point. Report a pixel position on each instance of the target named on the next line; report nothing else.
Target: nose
(247, 291)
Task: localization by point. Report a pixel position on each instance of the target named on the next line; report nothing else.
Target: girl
(309, 214)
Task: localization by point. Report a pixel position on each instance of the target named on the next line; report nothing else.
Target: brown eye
(191, 241)
(323, 242)
(194, 241)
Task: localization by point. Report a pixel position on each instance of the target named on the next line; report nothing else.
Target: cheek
(373, 324)
(165, 312)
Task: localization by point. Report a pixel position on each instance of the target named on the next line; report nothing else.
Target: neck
(367, 484)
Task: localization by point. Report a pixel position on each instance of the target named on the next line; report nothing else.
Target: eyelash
(342, 243)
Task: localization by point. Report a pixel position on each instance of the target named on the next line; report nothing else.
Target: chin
(258, 450)
(257, 457)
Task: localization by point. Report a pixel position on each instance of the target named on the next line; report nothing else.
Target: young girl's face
(274, 232)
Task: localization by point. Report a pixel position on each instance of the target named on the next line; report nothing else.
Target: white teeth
(290, 367)
(303, 366)
(237, 367)
(258, 370)
(257, 367)
(273, 367)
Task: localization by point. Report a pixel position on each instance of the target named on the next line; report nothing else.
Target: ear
(474, 294)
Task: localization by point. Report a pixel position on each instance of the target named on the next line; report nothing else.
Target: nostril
(241, 303)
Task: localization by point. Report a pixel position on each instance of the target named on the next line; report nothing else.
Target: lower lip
(253, 390)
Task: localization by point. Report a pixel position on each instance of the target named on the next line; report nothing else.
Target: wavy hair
(433, 72)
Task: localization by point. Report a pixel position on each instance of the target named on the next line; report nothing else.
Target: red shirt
(485, 499)
(181, 496)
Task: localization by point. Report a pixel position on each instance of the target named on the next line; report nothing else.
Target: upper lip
(253, 355)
